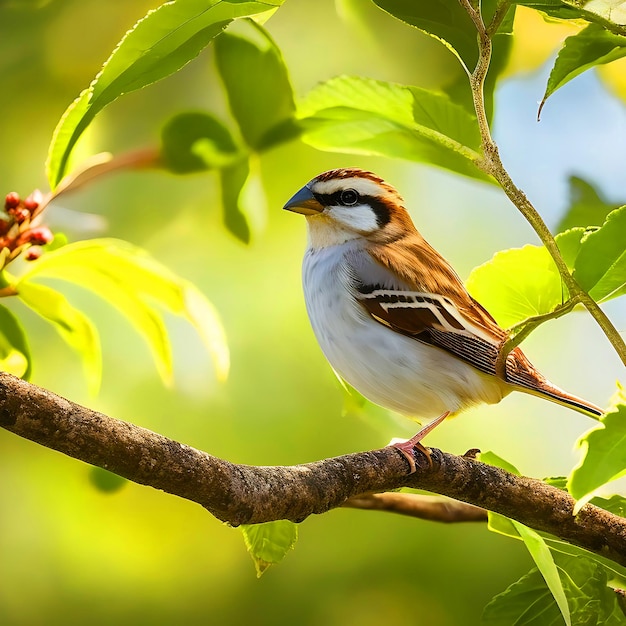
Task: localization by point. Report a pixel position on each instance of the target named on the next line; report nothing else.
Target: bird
(393, 318)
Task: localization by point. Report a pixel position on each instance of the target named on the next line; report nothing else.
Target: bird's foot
(407, 447)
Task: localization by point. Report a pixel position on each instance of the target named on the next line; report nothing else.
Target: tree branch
(243, 494)
(492, 164)
(430, 508)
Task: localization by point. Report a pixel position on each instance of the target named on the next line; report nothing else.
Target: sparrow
(390, 314)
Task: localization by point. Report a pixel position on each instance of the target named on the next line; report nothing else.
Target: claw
(407, 447)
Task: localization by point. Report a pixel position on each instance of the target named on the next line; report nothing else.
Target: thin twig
(519, 332)
(492, 164)
(430, 508)
(100, 165)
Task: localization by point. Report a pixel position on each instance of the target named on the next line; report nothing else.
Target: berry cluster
(17, 233)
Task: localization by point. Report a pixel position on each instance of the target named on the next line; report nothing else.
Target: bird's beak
(304, 202)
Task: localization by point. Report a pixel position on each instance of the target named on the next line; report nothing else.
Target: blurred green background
(71, 554)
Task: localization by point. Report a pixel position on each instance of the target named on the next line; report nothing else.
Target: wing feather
(418, 294)
(431, 318)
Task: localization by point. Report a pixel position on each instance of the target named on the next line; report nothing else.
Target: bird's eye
(349, 197)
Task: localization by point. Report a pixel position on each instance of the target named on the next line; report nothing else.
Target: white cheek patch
(360, 218)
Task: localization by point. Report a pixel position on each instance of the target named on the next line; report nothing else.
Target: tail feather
(524, 376)
(553, 393)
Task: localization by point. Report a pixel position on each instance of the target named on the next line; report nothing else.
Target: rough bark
(244, 494)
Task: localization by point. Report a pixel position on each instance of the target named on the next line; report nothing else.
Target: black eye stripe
(330, 199)
(381, 210)
(378, 205)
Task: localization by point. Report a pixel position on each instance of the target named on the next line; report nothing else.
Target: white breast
(390, 369)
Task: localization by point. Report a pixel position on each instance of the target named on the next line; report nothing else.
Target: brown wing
(422, 296)
(418, 294)
(434, 319)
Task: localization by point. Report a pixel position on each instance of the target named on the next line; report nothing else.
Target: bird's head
(345, 204)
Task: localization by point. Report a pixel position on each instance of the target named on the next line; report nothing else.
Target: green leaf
(517, 284)
(586, 206)
(491, 458)
(448, 22)
(60, 240)
(363, 116)
(269, 543)
(615, 504)
(193, 142)
(257, 84)
(611, 14)
(535, 544)
(504, 526)
(133, 282)
(502, 41)
(538, 543)
(569, 243)
(14, 349)
(567, 9)
(84, 271)
(445, 20)
(203, 316)
(544, 561)
(234, 180)
(617, 572)
(560, 482)
(159, 44)
(612, 11)
(75, 329)
(529, 601)
(524, 282)
(604, 456)
(600, 267)
(590, 47)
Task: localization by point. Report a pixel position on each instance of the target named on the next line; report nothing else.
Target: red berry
(12, 200)
(34, 200)
(33, 253)
(39, 236)
(20, 214)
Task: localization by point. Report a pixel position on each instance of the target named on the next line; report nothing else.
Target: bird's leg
(406, 447)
